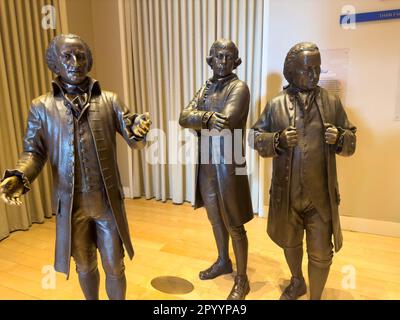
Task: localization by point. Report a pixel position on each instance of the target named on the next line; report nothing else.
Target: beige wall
(96, 21)
(109, 64)
(370, 180)
(79, 21)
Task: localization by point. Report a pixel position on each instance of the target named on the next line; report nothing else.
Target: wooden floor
(174, 240)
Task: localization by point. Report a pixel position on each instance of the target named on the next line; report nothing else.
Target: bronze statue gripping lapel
(302, 129)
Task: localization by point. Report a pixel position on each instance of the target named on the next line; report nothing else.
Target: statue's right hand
(11, 190)
(218, 121)
(288, 137)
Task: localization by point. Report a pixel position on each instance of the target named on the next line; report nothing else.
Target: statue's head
(303, 66)
(69, 57)
(223, 58)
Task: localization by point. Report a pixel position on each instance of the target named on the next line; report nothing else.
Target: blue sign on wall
(370, 16)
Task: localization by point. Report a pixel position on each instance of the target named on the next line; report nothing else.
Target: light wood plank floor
(175, 240)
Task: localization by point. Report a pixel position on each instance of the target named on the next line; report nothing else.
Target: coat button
(287, 178)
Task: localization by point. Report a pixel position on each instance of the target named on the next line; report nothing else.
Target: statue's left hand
(141, 125)
(331, 133)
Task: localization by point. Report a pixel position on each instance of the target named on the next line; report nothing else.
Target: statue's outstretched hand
(141, 125)
(11, 190)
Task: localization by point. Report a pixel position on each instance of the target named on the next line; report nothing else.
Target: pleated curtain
(23, 76)
(165, 45)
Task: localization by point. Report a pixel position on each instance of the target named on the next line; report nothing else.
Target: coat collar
(93, 88)
(292, 96)
(293, 92)
(223, 81)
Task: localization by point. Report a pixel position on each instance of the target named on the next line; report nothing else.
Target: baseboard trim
(384, 228)
(379, 227)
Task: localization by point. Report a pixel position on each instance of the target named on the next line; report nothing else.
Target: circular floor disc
(172, 285)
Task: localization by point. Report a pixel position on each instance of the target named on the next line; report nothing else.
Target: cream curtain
(23, 76)
(165, 44)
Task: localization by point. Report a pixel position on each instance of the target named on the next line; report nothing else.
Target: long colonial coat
(229, 96)
(50, 135)
(278, 115)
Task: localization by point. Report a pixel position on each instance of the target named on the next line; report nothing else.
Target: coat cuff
(19, 174)
(136, 138)
(205, 118)
(346, 144)
(340, 139)
(265, 144)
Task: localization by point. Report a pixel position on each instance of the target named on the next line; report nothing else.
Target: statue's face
(72, 62)
(307, 69)
(223, 62)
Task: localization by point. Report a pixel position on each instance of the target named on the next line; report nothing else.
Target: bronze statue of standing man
(302, 129)
(221, 106)
(74, 127)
